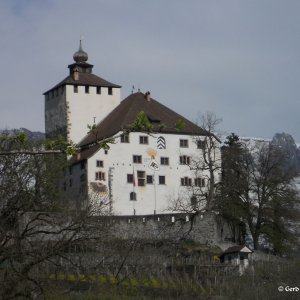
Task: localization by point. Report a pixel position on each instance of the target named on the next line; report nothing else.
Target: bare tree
(36, 225)
(258, 189)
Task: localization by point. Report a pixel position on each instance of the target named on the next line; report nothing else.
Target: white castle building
(141, 173)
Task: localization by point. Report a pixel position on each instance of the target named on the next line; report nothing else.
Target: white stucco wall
(152, 197)
(69, 112)
(83, 107)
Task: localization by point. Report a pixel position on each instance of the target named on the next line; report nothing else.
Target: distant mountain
(287, 144)
(32, 135)
(282, 140)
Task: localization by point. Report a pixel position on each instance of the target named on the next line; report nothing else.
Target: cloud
(239, 59)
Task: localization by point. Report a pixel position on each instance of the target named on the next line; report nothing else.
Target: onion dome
(80, 56)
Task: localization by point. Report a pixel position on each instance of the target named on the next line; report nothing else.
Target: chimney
(78, 155)
(147, 96)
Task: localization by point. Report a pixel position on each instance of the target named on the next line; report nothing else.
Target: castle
(140, 172)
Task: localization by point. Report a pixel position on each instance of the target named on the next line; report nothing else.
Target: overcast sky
(239, 59)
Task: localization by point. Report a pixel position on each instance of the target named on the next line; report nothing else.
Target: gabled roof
(235, 249)
(85, 79)
(125, 114)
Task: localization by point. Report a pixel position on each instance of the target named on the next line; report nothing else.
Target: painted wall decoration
(98, 187)
(153, 165)
(161, 143)
(151, 152)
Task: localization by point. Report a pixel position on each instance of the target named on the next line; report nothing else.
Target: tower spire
(80, 56)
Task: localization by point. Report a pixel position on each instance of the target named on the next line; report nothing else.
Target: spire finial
(80, 42)
(80, 56)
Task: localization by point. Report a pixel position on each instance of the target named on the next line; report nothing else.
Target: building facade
(145, 170)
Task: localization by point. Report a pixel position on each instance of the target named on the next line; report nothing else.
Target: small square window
(124, 138)
(132, 196)
(75, 88)
(129, 178)
(143, 139)
(200, 182)
(162, 180)
(184, 160)
(137, 159)
(200, 144)
(164, 161)
(185, 181)
(87, 89)
(149, 179)
(100, 176)
(99, 164)
(184, 143)
(110, 91)
(98, 90)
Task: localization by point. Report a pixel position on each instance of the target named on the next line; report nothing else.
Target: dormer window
(110, 91)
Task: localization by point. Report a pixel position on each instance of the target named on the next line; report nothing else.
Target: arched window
(133, 196)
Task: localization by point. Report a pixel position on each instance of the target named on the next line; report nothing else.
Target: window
(194, 202)
(129, 178)
(164, 161)
(200, 182)
(141, 178)
(124, 138)
(132, 196)
(143, 139)
(105, 152)
(70, 170)
(137, 159)
(98, 89)
(110, 91)
(161, 179)
(99, 163)
(185, 181)
(75, 88)
(184, 160)
(184, 143)
(100, 176)
(200, 144)
(149, 179)
(87, 89)
(82, 165)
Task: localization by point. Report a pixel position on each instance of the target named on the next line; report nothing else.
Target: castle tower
(80, 99)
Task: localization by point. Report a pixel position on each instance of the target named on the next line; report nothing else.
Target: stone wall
(206, 228)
